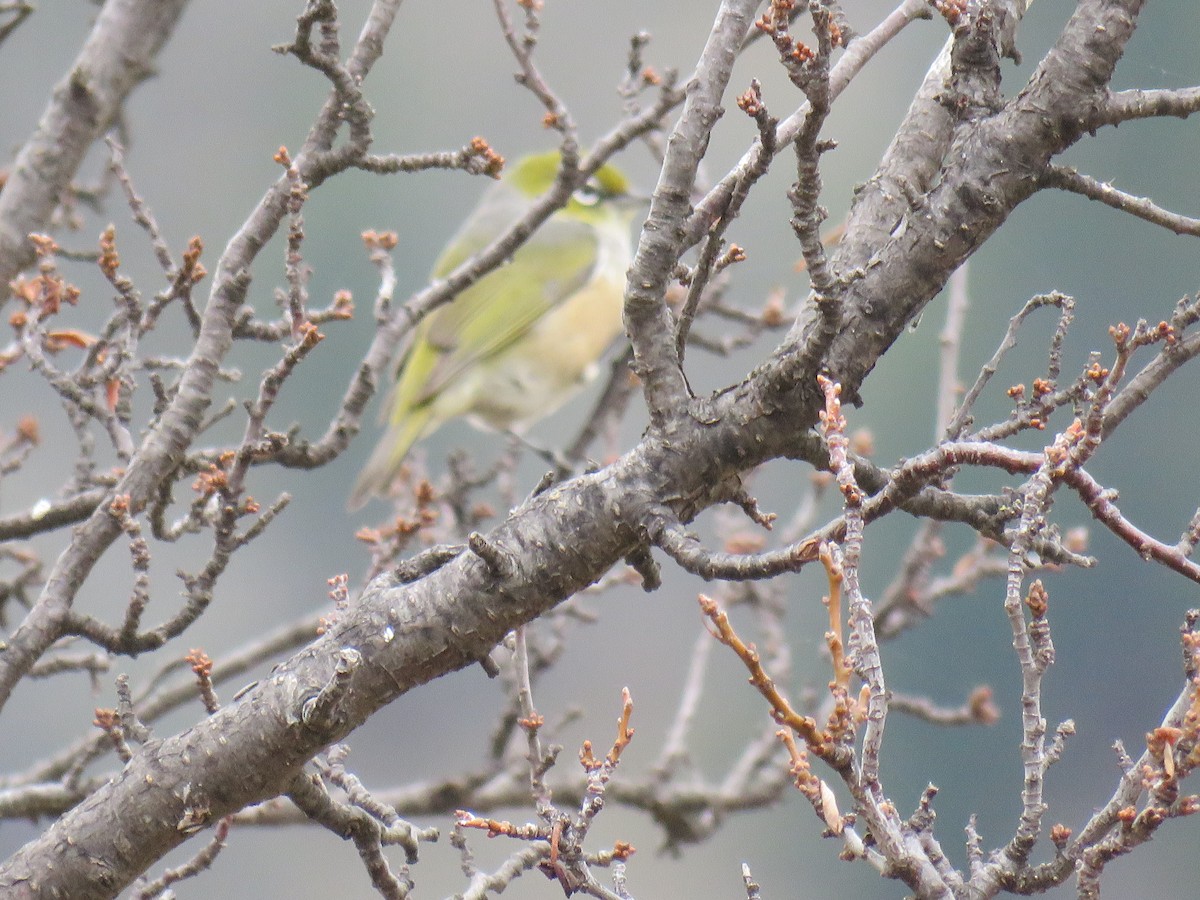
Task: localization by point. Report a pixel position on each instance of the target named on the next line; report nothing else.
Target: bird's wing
(500, 309)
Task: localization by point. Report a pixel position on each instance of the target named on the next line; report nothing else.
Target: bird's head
(605, 194)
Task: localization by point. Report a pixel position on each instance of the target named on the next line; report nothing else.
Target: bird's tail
(385, 462)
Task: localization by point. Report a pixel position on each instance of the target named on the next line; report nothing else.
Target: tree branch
(117, 56)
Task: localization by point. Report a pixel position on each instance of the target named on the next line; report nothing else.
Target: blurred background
(201, 134)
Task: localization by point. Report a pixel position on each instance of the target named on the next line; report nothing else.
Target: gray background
(203, 132)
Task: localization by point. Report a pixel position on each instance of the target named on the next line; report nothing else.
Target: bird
(517, 344)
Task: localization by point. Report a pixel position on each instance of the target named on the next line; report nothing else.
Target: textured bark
(945, 186)
(118, 55)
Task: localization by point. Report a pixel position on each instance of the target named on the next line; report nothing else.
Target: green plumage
(516, 344)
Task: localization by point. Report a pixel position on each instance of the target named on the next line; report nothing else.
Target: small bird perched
(514, 346)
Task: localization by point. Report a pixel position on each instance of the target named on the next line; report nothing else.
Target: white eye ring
(587, 195)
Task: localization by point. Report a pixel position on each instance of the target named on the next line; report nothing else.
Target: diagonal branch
(647, 319)
(117, 56)
(1067, 179)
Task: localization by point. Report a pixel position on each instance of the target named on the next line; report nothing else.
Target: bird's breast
(559, 355)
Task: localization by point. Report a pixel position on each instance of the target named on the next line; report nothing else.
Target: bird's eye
(588, 195)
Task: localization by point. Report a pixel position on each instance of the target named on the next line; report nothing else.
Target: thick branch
(119, 54)
(568, 536)
(647, 319)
